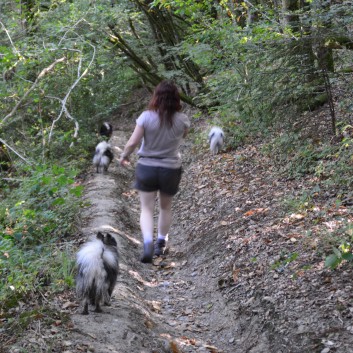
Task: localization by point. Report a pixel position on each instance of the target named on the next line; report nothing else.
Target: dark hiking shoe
(160, 247)
(147, 253)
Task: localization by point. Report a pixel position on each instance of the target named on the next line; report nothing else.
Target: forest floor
(243, 273)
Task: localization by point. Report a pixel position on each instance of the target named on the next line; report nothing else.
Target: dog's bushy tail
(91, 276)
(98, 267)
(216, 139)
(103, 156)
(111, 263)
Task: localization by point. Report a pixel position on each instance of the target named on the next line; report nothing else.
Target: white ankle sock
(163, 237)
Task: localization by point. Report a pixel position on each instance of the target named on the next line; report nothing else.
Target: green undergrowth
(38, 214)
(326, 171)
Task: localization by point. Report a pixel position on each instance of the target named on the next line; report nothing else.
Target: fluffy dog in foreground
(98, 268)
(216, 139)
(106, 130)
(103, 156)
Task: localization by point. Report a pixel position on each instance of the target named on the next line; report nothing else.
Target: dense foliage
(278, 72)
(60, 80)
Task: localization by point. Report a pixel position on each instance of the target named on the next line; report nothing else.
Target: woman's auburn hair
(165, 101)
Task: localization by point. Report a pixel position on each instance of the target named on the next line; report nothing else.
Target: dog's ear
(100, 236)
(110, 240)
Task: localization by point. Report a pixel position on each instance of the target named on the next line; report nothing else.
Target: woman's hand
(124, 161)
(130, 146)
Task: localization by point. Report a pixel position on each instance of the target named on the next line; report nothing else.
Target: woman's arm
(133, 142)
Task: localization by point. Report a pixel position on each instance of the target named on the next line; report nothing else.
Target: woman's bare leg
(164, 222)
(147, 200)
(165, 214)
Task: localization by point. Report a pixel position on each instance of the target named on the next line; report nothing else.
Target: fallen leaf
(156, 306)
(174, 347)
(212, 349)
(297, 216)
(69, 305)
(149, 324)
(236, 275)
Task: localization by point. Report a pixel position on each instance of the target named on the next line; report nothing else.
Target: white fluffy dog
(103, 156)
(216, 139)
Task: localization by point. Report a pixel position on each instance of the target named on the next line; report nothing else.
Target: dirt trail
(165, 307)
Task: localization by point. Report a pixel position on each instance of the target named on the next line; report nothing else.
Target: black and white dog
(216, 139)
(106, 130)
(98, 268)
(103, 156)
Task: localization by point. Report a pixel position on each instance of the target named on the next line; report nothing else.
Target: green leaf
(347, 256)
(46, 180)
(337, 252)
(332, 261)
(62, 180)
(77, 190)
(59, 201)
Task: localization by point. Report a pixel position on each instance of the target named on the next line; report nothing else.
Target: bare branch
(14, 151)
(67, 113)
(8, 35)
(63, 101)
(41, 75)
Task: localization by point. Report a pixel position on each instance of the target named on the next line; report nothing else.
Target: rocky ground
(244, 272)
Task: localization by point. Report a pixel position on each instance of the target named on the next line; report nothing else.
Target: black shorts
(149, 179)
